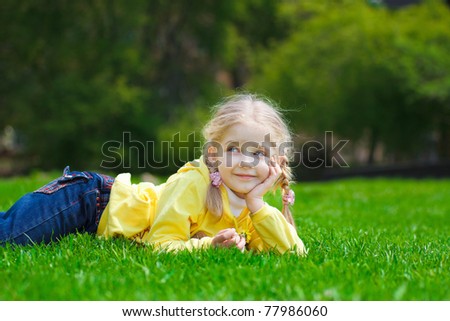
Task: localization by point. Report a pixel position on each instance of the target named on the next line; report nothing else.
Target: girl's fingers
(241, 244)
(227, 233)
(282, 160)
(274, 171)
(228, 243)
(272, 161)
(224, 236)
(234, 239)
(237, 241)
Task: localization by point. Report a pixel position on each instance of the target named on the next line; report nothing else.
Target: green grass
(368, 240)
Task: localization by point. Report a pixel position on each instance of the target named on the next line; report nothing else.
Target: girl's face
(245, 157)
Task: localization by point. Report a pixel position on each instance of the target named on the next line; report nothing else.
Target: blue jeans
(72, 203)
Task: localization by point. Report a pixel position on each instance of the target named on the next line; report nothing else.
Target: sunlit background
(77, 75)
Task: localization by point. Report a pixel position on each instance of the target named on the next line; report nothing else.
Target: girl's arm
(274, 232)
(179, 205)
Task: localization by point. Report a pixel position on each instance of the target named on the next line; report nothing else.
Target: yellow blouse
(173, 215)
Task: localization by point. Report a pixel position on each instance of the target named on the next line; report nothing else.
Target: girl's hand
(254, 198)
(228, 238)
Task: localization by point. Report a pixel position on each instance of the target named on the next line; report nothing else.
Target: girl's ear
(212, 150)
(212, 156)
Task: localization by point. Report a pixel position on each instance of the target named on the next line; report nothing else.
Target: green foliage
(76, 75)
(72, 73)
(79, 74)
(364, 72)
(368, 240)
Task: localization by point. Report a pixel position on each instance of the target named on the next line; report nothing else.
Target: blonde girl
(215, 201)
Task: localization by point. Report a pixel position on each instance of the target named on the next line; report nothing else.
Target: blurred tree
(78, 74)
(423, 66)
(361, 71)
(70, 71)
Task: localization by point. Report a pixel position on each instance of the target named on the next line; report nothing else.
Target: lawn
(380, 239)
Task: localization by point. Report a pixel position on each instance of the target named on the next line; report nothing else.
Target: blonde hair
(239, 109)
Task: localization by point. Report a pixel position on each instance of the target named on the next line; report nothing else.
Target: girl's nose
(248, 161)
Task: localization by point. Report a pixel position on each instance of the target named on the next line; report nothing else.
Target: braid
(288, 194)
(213, 195)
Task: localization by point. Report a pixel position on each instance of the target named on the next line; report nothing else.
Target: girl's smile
(245, 177)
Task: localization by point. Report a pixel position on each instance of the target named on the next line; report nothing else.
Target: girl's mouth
(245, 176)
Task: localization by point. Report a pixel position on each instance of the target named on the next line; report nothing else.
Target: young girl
(215, 201)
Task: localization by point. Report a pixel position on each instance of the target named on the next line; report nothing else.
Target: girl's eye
(233, 149)
(260, 153)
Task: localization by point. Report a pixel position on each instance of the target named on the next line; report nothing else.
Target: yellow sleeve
(130, 209)
(256, 242)
(179, 206)
(275, 232)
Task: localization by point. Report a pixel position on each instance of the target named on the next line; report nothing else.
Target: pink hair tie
(289, 198)
(216, 180)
